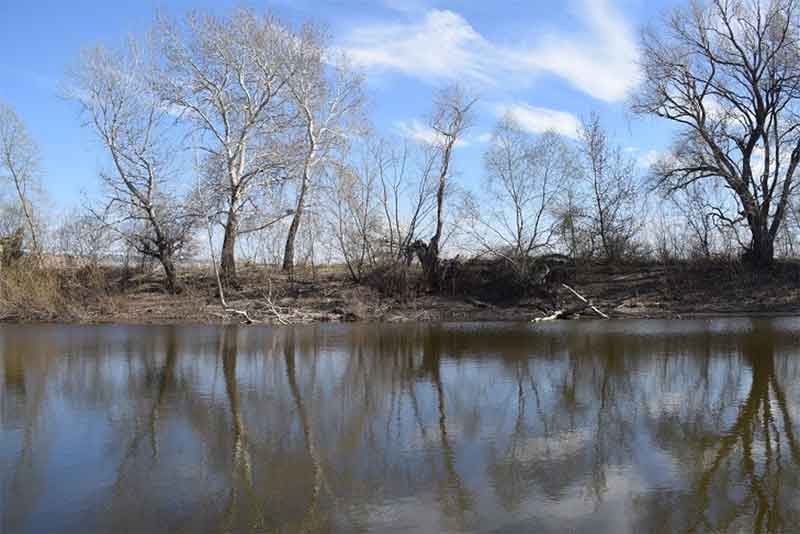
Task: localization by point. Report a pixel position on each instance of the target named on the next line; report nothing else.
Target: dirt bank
(631, 290)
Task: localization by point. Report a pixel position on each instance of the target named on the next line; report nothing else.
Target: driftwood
(587, 302)
(569, 312)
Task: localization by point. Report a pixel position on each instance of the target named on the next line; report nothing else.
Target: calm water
(651, 426)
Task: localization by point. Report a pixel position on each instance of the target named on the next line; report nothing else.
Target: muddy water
(651, 426)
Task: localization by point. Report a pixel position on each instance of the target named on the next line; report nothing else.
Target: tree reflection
(241, 487)
(759, 452)
(461, 501)
(419, 427)
(312, 521)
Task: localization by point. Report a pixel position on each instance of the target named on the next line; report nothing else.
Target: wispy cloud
(418, 132)
(539, 120)
(649, 158)
(599, 60)
(440, 46)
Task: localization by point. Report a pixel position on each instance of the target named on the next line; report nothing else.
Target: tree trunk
(170, 273)
(288, 251)
(228, 254)
(761, 252)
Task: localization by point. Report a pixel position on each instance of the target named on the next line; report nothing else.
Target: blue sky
(549, 63)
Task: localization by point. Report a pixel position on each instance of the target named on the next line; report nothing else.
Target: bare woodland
(257, 144)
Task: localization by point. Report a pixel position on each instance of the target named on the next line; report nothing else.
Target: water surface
(634, 426)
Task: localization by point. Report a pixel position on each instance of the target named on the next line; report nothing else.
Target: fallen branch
(225, 306)
(569, 312)
(552, 317)
(587, 302)
(274, 309)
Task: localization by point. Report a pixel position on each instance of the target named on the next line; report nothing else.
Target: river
(585, 426)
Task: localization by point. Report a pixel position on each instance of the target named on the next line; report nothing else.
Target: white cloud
(540, 120)
(599, 59)
(484, 137)
(441, 46)
(601, 62)
(421, 133)
(649, 158)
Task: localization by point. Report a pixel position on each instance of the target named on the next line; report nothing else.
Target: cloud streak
(540, 120)
(600, 60)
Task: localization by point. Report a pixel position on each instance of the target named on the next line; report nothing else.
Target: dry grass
(29, 292)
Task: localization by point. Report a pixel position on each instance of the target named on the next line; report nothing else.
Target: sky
(547, 63)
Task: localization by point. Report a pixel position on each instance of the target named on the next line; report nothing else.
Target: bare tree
(572, 227)
(450, 120)
(727, 72)
(19, 165)
(80, 235)
(353, 207)
(612, 191)
(328, 102)
(406, 202)
(143, 208)
(226, 78)
(525, 176)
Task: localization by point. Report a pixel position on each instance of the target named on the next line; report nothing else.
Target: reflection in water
(586, 427)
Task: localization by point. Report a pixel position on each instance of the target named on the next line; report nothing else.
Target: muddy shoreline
(632, 291)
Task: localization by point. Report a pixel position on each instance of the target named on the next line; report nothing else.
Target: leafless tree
(525, 176)
(572, 228)
(226, 78)
(727, 72)
(449, 121)
(19, 165)
(81, 235)
(120, 106)
(407, 196)
(328, 102)
(354, 212)
(613, 191)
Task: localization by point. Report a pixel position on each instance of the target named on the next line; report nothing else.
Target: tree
(226, 78)
(728, 74)
(612, 191)
(115, 95)
(19, 165)
(328, 102)
(406, 202)
(353, 208)
(525, 175)
(449, 121)
(81, 235)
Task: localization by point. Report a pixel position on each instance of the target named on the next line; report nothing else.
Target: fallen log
(588, 302)
(569, 312)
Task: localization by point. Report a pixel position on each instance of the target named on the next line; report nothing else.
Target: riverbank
(97, 295)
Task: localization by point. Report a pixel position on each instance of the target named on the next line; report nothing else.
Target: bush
(30, 292)
(394, 280)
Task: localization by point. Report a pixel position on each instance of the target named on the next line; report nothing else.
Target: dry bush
(29, 292)
(395, 280)
(506, 280)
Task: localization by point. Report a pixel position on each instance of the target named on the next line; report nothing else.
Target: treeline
(242, 137)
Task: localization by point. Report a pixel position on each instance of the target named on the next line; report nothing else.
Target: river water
(607, 426)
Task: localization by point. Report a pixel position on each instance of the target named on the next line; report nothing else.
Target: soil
(633, 290)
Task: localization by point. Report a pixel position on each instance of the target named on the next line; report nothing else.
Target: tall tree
(449, 121)
(144, 208)
(727, 72)
(524, 177)
(226, 77)
(612, 191)
(328, 102)
(19, 165)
